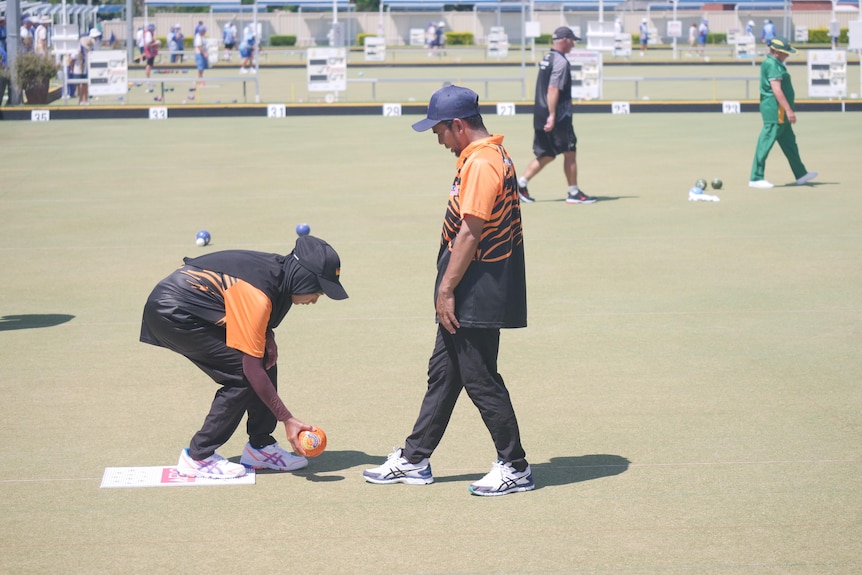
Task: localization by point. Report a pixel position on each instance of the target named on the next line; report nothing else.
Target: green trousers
(783, 134)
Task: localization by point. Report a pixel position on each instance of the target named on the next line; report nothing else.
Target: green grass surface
(514, 83)
(687, 389)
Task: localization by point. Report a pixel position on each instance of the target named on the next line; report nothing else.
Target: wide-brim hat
(318, 257)
(781, 45)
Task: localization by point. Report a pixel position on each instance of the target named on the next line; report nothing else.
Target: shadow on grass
(563, 470)
(557, 471)
(32, 321)
(598, 199)
(328, 462)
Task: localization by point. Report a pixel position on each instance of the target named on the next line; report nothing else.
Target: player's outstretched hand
(292, 427)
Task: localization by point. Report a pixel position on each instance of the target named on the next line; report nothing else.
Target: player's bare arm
(466, 243)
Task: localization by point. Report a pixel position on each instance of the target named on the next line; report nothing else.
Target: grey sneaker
(503, 479)
(399, 470)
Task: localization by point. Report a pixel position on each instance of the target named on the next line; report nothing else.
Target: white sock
(573, 189)
(522, 181)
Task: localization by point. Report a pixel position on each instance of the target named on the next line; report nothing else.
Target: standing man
(644, 35)
(202, 57)
(702, 33)
(3, 33)
(246, 50)
(768, 32)
(480, 288)
(151, 48)
(229, 39)
(41, 36)
(553, 132)
(219, 311)
(776, 109)
(692, 37)
(25, 36)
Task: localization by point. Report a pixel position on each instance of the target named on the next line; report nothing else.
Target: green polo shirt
(773, 69)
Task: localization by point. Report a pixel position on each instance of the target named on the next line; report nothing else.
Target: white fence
(312, 28)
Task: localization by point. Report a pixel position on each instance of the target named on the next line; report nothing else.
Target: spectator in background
(139, 42)
(25, 36)
(246, 50)
(3, 63)
(229, 38)
(3, 33)
(430, 32)
(172, 42)
(702, 33)
(202, 57)
(692, 37)
(151, 48)
(79, 64)
(644, 32)
(749, 28)
(768, 32)
(180, 39)
(41, 36)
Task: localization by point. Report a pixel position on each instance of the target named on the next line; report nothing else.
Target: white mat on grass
(164, 477)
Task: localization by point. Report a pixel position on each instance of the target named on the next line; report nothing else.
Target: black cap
(564, 32)
(319, 258)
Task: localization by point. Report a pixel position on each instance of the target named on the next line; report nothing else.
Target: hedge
(188, 42)
(459, 38)
(282, 40)
(821, 36)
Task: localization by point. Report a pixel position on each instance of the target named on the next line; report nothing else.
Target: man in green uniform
(776, 108)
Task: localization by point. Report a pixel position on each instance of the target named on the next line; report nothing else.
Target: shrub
(32, 71)
(282, 40)
(821, 36)
(459, 38)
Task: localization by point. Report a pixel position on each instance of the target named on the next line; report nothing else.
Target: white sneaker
(271, 457)
(806, 178)
(399, 470)
(761, 184)
(503, 479)
(243, 71)
(214, 467)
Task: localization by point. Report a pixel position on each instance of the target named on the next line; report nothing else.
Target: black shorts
(229, 45)
(561, 139)
(150, 61)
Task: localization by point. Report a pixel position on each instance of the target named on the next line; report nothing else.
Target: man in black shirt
(552, 119)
